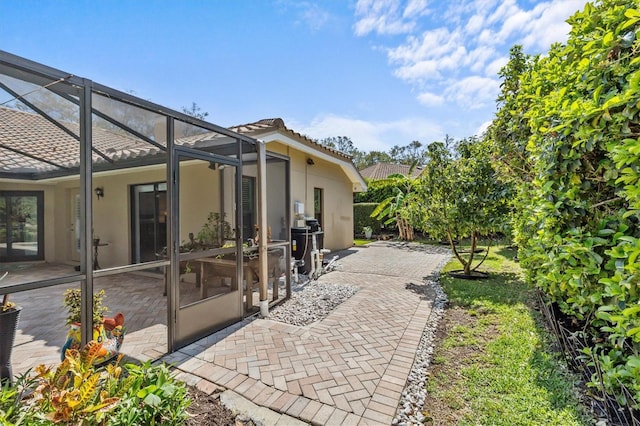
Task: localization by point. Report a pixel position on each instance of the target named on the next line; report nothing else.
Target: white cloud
(423, 70)
(382, 17)
(432, 44)
(495, 66)
(415, 9)
(458, 57)
(549, 26)
(370, 135)
(306, 13)
(474, 24)
(313, 15)
(450, 53)
(430, 99)
(483, 128)
(473, 92)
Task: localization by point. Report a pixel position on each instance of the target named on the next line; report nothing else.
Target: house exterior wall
(112, 213)
(337, 189)
(199, 187)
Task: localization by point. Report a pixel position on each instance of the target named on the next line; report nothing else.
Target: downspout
(262, 227)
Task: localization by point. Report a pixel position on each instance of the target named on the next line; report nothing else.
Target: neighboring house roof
(31, 144)
(274, 130)
(384, 170)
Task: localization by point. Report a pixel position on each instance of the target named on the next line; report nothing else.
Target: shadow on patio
(42, 329)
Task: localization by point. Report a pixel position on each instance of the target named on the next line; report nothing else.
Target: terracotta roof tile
(384, 170)
(264, 125)
(31, 144)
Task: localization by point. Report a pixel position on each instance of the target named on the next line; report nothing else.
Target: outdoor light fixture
(99, 192)
(310, 161)
(216, 166)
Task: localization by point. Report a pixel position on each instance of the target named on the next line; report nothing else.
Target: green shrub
(574, 115)
(377, 191)
(154, 397)
(362, 217)
(76, 392)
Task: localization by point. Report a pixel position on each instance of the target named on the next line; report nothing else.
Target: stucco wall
(200, 191)
(337, 189)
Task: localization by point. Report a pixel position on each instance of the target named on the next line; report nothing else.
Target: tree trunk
(474, 244)
(464, 263)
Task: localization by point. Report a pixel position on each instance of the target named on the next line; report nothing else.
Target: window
(21, 226)
(318, 198)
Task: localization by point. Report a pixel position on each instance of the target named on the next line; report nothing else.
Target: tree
(195, 111)
(344, 144)
(412, 154)
(459, 196)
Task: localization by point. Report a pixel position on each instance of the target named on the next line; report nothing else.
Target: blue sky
(382, 72)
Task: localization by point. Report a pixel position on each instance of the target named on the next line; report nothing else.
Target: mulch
(207, 410)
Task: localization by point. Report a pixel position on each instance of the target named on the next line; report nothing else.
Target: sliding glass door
(149, 221)
(21, 226)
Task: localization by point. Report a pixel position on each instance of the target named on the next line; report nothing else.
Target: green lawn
(495, 365)
(361, 242)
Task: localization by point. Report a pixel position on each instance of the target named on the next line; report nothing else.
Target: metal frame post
(86, 208)
(173, 275)
(262, 224)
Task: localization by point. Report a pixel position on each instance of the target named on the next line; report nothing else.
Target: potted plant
(215, 231)
(368, 231)
(9, 315)
(107, 331)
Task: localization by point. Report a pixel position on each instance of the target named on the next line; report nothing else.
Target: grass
(495, 365)
(361, 242)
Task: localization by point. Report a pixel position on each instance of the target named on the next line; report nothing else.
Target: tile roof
(29, 143)
(384, 170)
(277, 124)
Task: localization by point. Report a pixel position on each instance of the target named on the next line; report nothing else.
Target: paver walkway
(349, 368)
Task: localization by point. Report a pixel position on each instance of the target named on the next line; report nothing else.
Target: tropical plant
(397, 207)
(77, 392)
(74, 392)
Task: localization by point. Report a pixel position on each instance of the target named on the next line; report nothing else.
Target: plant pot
(367, 234)
(8, 327)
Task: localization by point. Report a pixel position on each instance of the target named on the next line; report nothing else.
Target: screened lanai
(183, 223)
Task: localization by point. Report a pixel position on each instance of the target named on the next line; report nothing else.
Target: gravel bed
(414, 394)
(312, 303)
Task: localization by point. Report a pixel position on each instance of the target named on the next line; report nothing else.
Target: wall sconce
(310, 161)
(99, 192)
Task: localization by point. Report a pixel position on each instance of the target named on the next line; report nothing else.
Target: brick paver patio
(42, 329)
(349, 368)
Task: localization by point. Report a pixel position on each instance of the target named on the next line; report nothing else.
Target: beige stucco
(337, 191)
(199, 195)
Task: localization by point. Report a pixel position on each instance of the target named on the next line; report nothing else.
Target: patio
(42, 330)
(138, 295)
